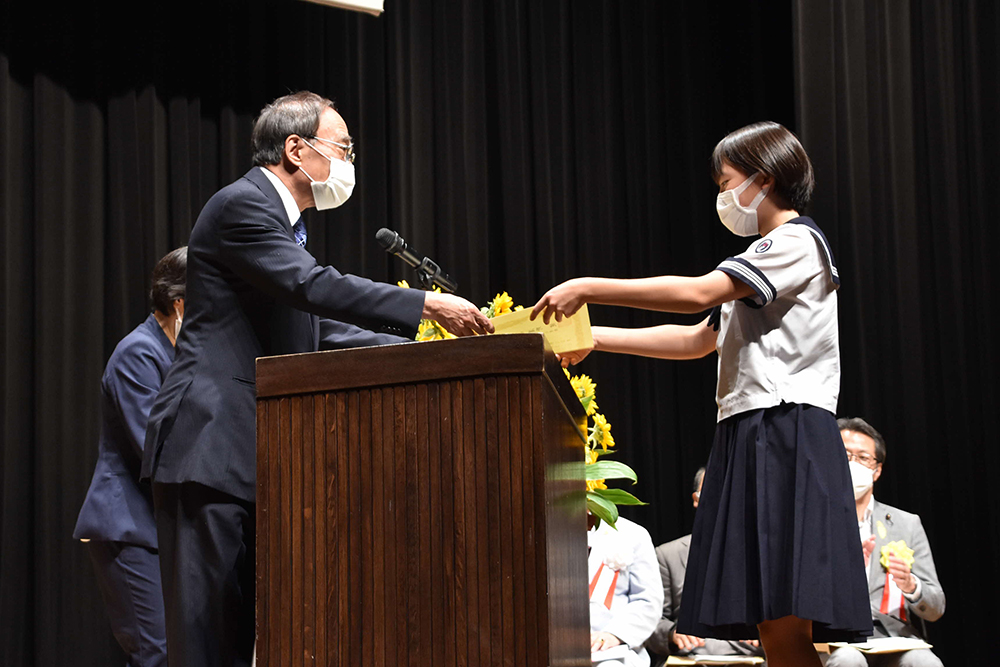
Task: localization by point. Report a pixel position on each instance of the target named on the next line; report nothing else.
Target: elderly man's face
(861, 448)
(332, 128)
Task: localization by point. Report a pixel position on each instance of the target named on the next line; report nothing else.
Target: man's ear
(293, 150)
(877, 473)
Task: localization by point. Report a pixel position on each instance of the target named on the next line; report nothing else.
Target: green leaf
(604, 510)
(610, 470)
(618, 496)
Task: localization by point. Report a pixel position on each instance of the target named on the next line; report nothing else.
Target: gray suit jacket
(673, 557)
(900, 525)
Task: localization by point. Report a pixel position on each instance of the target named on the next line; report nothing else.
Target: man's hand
(867, 547)
(686, 642)
(455, 314)
(901, 574)
(601, 641)
(562, 300)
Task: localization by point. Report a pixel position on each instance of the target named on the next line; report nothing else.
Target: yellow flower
(586, 390)
(593, 484)
(404, 284)
(591, 455)
(600, 433)
(431, 330)
(899, 550)
(501, 303)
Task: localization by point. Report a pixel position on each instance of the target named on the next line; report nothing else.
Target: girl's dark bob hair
(773, 150)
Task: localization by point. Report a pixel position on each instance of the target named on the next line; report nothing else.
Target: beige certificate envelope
(573, 333)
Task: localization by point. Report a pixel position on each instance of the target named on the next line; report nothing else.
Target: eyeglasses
(348, 149)
(865, 459)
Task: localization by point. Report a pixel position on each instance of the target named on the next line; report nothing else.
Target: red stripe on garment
(593, 582)
(611, 591)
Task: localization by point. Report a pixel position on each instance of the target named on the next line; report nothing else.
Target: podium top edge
(406, 363)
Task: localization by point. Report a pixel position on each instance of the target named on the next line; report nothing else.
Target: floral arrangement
(601, 501)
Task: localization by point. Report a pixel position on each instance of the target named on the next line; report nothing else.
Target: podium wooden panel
(422, 505)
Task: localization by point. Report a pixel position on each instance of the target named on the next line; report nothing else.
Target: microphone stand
(428, 273)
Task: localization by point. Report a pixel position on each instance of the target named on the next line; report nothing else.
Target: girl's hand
(562, 300)
(568, 359)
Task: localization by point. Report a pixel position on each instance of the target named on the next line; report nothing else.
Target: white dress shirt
(287, 200)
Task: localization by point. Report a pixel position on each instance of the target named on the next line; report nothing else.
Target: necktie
(300, 232)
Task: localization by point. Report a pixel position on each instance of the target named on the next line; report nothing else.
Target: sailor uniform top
(780, 345)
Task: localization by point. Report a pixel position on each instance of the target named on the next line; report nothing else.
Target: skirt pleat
(776, 531)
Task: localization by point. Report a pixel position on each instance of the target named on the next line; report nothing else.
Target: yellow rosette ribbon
(899, 550)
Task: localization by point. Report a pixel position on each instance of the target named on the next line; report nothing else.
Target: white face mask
(862, 478)
(337, 187)
(740, 220)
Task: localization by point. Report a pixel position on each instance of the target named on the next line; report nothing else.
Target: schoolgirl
(775, 551)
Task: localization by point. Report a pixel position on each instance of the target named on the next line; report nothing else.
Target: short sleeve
(774, 266)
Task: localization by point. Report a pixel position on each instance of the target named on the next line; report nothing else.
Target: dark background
(519, 143)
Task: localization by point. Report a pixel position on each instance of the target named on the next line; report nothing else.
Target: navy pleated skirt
(776, 532)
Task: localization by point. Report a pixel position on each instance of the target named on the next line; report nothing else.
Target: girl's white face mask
(740, 220)
(337, 187)
(862, 479)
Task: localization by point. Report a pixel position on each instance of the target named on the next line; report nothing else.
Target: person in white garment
(626, 593)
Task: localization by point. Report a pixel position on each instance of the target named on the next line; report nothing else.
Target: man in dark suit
(116, 520)
(904, 593)
(665, 641)
(252, 291)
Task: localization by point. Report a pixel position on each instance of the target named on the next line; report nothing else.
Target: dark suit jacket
(252, 292)
(900, 525)
(117, 507)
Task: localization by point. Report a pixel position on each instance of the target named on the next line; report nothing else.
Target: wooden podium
(421, 504)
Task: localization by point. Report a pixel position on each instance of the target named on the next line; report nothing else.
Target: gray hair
(698, 476)
(859, 425)
(297, 113)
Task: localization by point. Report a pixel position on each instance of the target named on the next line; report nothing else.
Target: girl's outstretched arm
(675, 294)
(668, 341)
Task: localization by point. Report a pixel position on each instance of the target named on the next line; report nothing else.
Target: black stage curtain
(898, 105)
(518, 143)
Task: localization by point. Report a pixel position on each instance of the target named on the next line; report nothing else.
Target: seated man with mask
(902, 580)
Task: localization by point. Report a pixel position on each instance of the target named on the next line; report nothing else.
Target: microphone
(427, 270)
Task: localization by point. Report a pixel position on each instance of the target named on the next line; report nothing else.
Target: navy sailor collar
(811, 225)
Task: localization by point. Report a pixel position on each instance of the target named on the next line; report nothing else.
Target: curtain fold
(897, 104)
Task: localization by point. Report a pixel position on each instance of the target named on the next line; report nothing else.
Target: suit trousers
(850, 657)
(206, 540)
(129, 578)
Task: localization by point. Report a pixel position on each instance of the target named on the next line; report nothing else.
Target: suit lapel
(686, 543)
(256, 177)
